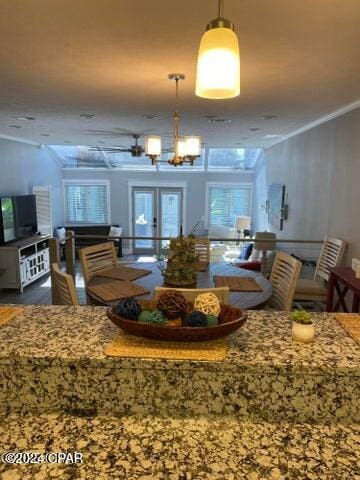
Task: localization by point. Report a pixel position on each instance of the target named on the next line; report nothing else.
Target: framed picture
(276, 199)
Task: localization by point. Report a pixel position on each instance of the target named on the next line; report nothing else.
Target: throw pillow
(246, 250)
(115, 231)
(255, 265)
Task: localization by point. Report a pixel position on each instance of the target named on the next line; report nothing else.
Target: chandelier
(218, 66)
(186, 149)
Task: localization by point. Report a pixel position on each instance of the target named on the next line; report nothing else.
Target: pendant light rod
(221, 8)
(177, 77)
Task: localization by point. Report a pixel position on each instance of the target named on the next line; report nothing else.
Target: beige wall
(321, 171)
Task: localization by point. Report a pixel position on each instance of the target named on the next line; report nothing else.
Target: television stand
(24, 261)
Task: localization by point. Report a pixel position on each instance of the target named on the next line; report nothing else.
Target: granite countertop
(56, 334)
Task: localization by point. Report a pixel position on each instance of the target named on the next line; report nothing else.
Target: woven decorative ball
(211, 320)
(157, 317)
(195, 319)
(128, 308)
(172, 303)
(145, 316)
(207, 303)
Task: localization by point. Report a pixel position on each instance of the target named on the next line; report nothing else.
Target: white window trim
(225, 184)
(88, 182)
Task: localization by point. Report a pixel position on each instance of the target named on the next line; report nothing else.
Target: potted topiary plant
(302, 328)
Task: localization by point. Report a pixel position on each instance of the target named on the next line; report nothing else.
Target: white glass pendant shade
(193, 146)
(218, 67)
(152, 145)
(180, 147)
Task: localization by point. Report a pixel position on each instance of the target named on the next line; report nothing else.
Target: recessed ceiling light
(101, 142)
(245, 138)
(26, 118)
(87, 115)
(67, 141)
(238, 143)
(44, 134)
(15, 126)
(211, 116)
(254, 129)
(150, 116)
(269, 117)
(219, 120)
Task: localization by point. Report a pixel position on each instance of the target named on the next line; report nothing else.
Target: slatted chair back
(190, 294)
(330, 256)
(97, 257)
(202, 249)
(63, 286)
(284, 276)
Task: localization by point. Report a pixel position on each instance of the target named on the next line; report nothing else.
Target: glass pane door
(144, 220)
(170, 214)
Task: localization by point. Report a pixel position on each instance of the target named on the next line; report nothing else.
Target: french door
(157, 212)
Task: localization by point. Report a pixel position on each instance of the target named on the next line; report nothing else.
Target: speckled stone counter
(52, 359)
(154, 448)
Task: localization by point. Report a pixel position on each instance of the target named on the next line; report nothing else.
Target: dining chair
(190, 294)
(315, 289)
(283, 278)
(63, 287)
(96, 258)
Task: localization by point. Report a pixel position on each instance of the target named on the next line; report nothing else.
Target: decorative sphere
(172, 303)
(145, 316)
(208, 303)
(211, 320)
(157, 317)
(128, 308)
(195, 319)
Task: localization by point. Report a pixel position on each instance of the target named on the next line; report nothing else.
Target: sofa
(218, 248)
(93, 230)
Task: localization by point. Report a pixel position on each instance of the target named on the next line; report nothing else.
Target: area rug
(130, 346)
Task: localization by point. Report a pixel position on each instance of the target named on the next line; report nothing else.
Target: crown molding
(19, 140)
(336, 113)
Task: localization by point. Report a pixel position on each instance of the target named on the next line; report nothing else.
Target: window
(86, 202)
(232, 158)
(226, 202)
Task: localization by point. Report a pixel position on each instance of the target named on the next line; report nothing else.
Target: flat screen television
(18, 218)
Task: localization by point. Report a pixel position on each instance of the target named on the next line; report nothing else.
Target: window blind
(227, 203)
(86, 203)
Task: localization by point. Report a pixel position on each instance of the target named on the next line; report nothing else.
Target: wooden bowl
(230, 320)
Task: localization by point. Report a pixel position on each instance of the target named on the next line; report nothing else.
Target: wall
(22, 166)
(321, 171)
(196, 190)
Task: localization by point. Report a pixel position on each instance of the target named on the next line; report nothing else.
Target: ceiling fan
(135, 150)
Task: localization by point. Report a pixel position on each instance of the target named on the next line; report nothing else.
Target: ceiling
(111, 58)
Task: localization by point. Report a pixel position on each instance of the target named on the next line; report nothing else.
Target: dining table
(243, 300)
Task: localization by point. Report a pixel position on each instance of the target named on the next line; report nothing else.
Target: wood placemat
(123, 273)
(237, 284)
(8, 313)
(130, 346)
(117, 290)
(351, 324)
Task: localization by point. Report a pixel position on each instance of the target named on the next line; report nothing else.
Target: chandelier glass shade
(218, 66)
(186, 149)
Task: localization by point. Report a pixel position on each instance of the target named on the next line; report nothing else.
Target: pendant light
(218, 67)
(186, 149)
